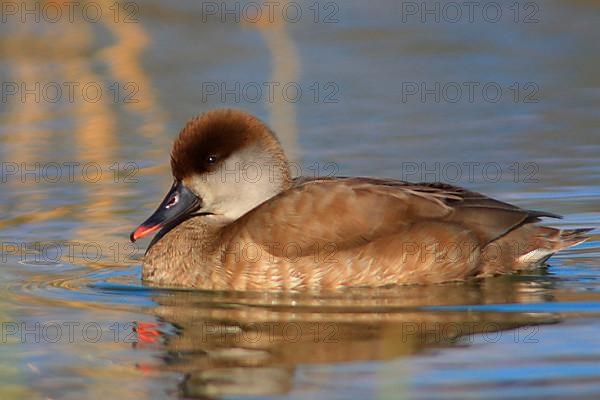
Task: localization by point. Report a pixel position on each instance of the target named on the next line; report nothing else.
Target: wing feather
(346, 212)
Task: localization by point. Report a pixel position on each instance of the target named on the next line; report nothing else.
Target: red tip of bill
(143, 231)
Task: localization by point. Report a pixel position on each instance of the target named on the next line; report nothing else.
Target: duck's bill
(178, 205)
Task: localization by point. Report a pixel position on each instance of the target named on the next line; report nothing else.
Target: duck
(235, 219)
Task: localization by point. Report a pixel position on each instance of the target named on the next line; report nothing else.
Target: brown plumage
(222, 229)
(219, 134)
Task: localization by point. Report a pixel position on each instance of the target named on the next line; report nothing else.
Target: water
(382, 93)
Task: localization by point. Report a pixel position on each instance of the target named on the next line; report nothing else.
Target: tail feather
(549, 241)
(529, 246)
(573, 237)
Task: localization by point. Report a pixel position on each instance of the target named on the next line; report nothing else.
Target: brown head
(224, 162)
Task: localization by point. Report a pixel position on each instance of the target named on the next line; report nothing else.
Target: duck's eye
(172, 201)
(212, 159)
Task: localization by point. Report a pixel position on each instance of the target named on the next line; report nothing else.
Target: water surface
(78, 174)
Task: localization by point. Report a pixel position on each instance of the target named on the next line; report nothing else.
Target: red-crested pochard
(234, 219)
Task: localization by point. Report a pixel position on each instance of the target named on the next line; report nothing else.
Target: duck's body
(274, 233)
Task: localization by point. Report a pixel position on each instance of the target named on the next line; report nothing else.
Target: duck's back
(339, 232)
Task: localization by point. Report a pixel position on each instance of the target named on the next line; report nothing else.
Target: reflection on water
(235, 346)
(261, 344)
(285, 68)
(78, 172)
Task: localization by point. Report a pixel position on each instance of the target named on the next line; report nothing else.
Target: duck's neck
(184, 253)
(264, 173)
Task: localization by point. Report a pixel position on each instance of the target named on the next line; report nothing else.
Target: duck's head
(224, 163)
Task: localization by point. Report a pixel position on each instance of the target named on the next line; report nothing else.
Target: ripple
(41, 263)
(122, 288)
(77, 289)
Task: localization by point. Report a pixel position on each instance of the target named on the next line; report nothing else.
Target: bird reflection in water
(227, 344)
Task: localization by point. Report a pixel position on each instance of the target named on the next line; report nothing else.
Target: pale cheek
(216, 194)
(201, 187)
